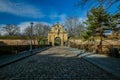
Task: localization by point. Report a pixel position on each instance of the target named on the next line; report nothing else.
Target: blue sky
(22, 12)
(49, 11)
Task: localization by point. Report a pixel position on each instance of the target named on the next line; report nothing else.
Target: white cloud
(53, 16)
(60, 17)
(24, 25)
(82, 19)
(1, 31)
(2, 25)
(20, 9)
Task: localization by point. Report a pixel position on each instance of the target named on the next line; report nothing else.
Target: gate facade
(57, 31)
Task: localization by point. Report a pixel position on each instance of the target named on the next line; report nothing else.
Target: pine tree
(98, 18)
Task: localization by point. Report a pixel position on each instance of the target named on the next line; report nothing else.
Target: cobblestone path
(56, 63)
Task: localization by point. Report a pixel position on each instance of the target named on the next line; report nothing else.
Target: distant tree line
(11, 31)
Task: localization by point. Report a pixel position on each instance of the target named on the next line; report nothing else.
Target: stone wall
(16, 42)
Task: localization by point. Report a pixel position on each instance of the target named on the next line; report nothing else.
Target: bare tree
(95, 3)
(40, 31)
(27, 32)
(74, 26)
(11, 29)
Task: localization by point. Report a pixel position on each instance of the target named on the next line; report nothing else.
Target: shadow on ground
(55, 65)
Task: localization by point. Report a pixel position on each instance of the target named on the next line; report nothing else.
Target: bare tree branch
(11, 29)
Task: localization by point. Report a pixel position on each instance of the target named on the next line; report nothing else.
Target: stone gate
(57, 35)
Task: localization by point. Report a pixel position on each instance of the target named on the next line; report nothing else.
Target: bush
(114, 52)
(13, 37)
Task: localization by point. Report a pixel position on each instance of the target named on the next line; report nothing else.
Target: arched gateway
(57, 35)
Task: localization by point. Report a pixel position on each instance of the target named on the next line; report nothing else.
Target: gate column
(61, 42)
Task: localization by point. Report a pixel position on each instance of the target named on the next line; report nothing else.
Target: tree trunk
(100, 44)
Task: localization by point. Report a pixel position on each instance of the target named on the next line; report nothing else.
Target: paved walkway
(7, 59)
(109, 64)
(56, 63)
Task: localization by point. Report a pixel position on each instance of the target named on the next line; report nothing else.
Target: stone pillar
(61, 42)
(68, 43)
(53, 42)
(48, 41)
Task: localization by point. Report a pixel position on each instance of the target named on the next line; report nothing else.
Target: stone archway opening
(57, 41)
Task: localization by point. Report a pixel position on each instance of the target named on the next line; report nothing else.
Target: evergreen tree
(98, 18)
(114, 22)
